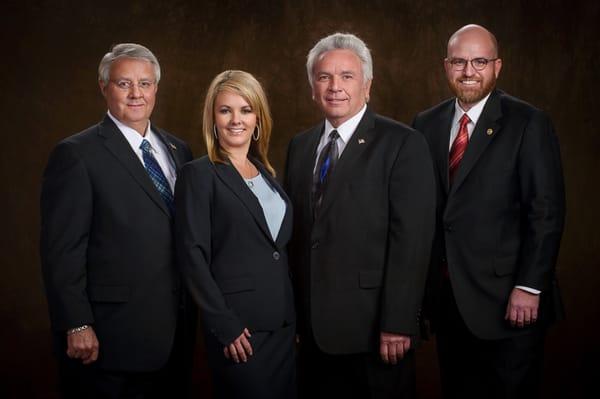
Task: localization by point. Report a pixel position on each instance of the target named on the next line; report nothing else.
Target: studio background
(48, 90)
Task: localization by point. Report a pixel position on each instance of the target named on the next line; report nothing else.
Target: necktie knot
(464, 120)
(334, 135)
(145, 146)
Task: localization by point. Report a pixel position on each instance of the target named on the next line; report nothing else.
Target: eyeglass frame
(487, 61)
(129, 84)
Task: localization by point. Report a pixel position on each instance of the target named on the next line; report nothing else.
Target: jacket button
(448, 228)
(276, 255)
(315, 245)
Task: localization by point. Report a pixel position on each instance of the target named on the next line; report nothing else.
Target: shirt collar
(133, 136)
(474, 113)
(346, 129)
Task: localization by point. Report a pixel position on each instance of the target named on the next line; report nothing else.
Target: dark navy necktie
(156, 175)
(327, 160)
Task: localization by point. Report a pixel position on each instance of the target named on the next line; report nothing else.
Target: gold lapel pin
(490, 131)
(361, 141)
(172, 146)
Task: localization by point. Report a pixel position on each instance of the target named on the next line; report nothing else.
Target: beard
(472, 95)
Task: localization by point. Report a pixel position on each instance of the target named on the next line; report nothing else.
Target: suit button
(448, 228)
(315, 245)
(276, 255)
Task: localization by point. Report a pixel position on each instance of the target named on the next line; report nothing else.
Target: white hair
(126, 50)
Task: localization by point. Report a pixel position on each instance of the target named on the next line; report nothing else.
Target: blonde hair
(243, 84)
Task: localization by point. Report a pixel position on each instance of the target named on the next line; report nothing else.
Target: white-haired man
(121, 322)
(362, 186)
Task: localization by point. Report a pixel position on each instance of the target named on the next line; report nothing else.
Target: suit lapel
(309, 153)
(170, 146)
(118, 145)
(442, 143)
(230, 176)
(342, 173)
(486, 129)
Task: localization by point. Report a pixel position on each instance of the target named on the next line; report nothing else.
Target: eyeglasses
(479, 64)
(125, 84)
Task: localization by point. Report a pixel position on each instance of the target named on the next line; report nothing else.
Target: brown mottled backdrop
(51, 49)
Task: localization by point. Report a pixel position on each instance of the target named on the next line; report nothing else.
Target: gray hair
(341, 41)
(126, 50)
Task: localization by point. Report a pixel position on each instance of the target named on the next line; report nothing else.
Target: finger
(233, 353)
(520, 318)
(226, 352)
(513, 316)
(534, 315)
(240, 350)
(246, 345)
(247, 333)
(400, 351)
(383, 350)
(527, 316)
(392, 353)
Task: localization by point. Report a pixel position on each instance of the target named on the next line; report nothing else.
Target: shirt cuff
(528, 289)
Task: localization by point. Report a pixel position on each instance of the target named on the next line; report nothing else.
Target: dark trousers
(172, 381)
(360, 376)
(475, 368)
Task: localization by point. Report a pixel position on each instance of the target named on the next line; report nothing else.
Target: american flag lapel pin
(361, 141)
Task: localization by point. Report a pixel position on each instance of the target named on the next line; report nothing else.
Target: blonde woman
(233, 222)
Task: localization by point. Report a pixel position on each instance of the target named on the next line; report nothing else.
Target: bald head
(475, 34)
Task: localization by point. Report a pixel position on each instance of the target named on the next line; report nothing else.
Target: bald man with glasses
(492, 290)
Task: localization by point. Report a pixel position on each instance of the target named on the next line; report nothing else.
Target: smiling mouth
(236, 131)
(469, 82)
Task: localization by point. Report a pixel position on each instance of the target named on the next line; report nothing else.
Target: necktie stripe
(156, 175)
(459, 146)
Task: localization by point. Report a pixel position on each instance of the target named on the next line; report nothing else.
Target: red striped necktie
(459, 147)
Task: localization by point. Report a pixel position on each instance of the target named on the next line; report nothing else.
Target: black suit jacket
(107, 249)
(360, 267)
(500, 223)
(234, 269)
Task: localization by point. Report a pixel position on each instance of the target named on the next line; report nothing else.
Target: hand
(240, 348)
(522, 308)
(393, 347)
(83, 345)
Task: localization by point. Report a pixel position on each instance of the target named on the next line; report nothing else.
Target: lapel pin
(361, 141)
(490, 131)
(172, 146)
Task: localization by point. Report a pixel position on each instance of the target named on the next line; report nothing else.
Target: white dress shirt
(345, 130)
(474, 113)
(159, 150)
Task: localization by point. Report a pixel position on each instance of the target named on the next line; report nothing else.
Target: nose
(334, 83)
(235, 118)
(469, 70)
(135, 91)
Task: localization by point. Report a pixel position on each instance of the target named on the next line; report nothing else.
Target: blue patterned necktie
(326, 163)
(156, 175)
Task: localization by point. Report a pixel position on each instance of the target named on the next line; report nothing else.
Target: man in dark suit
(362, 187)
(122, 328)
(492, 287)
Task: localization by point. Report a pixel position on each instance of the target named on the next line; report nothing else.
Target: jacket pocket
(369, 279)
(234, 285)
(108, 293)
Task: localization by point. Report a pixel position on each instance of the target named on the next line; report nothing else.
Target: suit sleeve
(193, 193)
(411, 228)
(543, 202)
(66, 213)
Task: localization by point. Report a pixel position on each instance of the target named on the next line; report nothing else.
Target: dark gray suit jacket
(500, 223)
(107, 247)
(360, 267)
